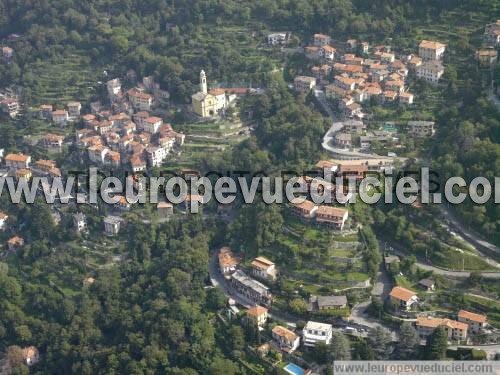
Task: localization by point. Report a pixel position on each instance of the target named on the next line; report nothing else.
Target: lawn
(404, 282)
(455, 260)
(342, 253)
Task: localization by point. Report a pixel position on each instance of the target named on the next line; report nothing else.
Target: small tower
(203, 82)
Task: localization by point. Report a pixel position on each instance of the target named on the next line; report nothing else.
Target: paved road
(381, 289)
(440, 271)
(382, 285)
(474, 238)
(456, 274)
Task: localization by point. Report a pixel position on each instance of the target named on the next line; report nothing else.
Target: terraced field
(204, 138)
(62, 80)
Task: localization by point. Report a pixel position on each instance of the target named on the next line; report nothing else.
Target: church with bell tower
(208, 103)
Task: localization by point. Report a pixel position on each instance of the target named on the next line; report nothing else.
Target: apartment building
(315, 332)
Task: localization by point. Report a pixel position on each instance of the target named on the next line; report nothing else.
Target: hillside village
(127, 133)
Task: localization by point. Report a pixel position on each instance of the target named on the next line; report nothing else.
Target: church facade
(208, 103)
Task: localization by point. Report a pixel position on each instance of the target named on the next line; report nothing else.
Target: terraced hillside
(61, 80)
(203, 138)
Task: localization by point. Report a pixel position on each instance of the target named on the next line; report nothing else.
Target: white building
(278, 38)
(3, 219)
(114, 87)
(97, 153)
(80, 222)
(315, 332)
(156, 155)
(431, 71)
(112, 225)
(492, 34)
(10, 106)
(320, 40)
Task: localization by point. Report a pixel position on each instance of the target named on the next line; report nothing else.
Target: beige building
(227, 261)
(332, 217)
(17, 161)
(287, 340)
(486, 57)
(304, 83)
(264, 268)
(209, 103)
(320, 40)
(476, 322)
(140, 100)
(165, 210)
(60, 116)
(403, 298)
(304, 210)
(455, 330)
(257, 315)
(74, 109)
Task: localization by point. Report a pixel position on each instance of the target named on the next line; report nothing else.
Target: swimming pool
(293, 369)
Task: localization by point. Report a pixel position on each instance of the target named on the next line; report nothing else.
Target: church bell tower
(203, 82)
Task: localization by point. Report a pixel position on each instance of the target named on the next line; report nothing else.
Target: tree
(363, 351)
(215, 299)
(40, 221)
(321, 352)
(222, 366)
(474, 278)
(380, 339)
(408, 341)
(236, 337)
(437, 344)
(14, 355)
(341, 349)
(298, 306)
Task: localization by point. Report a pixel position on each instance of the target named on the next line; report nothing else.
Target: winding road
(441, 271)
